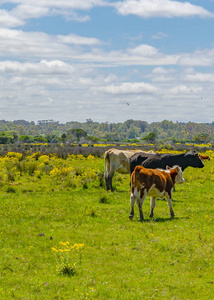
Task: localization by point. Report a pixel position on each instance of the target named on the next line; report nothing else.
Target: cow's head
(177, 173)
(194, 160)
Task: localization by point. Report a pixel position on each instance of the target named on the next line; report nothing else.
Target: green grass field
(62, 236)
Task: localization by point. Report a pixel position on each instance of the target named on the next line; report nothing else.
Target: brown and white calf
(154, 183)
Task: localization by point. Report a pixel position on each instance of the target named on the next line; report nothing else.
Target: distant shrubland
(130, 131)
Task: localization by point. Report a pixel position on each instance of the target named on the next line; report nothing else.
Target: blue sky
(70, 60)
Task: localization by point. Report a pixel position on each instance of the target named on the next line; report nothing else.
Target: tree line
(50, 131)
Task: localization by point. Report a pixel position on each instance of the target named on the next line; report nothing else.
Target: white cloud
(43, 67)
(133, 38)
(143, 50)
(77, 40)
(17, 43)
(127, 88)
(71, 4)
(28, 9)
(200, 77)
(7, 20)
(159, 35)
(185, 90)
(69, 15)
(39, 45)
(161, 8)
(163, 75)
(160, 71)
(140, 55)
(198, 58)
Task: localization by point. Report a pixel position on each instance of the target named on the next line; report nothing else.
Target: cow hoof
(131, 217)
(151, 215)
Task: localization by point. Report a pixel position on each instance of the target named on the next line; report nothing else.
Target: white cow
(117, 160)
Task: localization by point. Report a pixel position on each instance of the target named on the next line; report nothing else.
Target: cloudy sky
(108, 60)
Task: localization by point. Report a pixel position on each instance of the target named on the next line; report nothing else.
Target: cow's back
(161, 179)
(158, 161)
(137, 159)
(118, 160)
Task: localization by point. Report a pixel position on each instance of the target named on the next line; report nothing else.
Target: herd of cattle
(152, 174)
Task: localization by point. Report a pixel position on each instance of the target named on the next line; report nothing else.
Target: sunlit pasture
(63, 236)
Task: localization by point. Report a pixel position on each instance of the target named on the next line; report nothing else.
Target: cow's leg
(106, 174)
(108, 180)
(132, 202)
(110, 176)
(140, 201)
(110, 183)
(169, 201)
(107, 183)
(152, 205)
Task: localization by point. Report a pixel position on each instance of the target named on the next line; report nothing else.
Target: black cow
(161, 161)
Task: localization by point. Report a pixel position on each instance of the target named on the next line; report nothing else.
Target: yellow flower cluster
(199, 145)
(90, 157)
(104, 145)
(14, 154)
(64, 171)
(68, 248)
(77, 246)
(44, 159)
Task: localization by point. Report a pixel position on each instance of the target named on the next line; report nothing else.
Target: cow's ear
(168, 168)
(177, 169)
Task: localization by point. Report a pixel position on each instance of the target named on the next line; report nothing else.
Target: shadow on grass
(161, 220)
(120, 191)
(173, 200)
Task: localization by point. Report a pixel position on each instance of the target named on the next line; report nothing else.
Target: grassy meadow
(62, 236)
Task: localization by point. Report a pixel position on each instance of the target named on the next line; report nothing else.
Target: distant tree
(89, 121)
(39, 139)
(78, 133)
(151, 137)
(26, 138)
(111, 137)
(52, 138)
(73, 131)
(92, 139)
(200, 138)
(63, 136)
(21, 122)
(8, 137)
(128, 123)
(132, 132)
(142, 125)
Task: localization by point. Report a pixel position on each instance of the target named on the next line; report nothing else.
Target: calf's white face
(179, 177)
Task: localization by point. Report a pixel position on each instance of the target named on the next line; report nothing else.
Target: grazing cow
(184, 160)
(204, 157)
(154, 183)
(117, 160)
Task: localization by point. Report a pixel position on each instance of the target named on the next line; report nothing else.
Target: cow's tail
(134, 178)
(133, 181)
(107, 164)
(107, 170)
